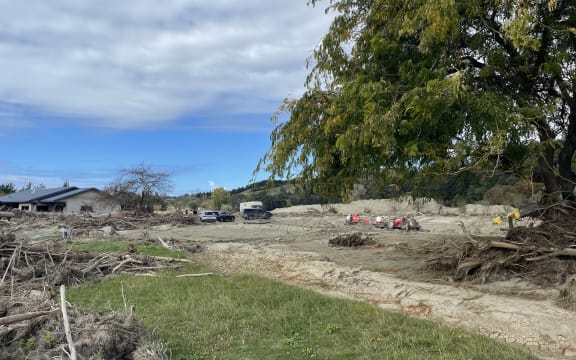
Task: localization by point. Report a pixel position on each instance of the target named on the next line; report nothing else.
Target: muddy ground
(394, 271)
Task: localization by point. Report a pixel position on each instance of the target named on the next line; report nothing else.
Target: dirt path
(294, 248)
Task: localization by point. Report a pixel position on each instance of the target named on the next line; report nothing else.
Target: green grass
(250, 317)
(122, 246)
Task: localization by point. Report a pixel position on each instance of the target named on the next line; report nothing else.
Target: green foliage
(7, 188)
(30, 344)
(251, 317)
(50, 339)
(220, 196)
(400, 89)
(503, 195)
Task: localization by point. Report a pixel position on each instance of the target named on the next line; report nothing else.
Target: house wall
(27, 207)
(88, 198)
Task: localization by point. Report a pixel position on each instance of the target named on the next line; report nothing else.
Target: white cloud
(129, 64)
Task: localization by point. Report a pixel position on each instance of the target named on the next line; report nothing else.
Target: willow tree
(405, 88)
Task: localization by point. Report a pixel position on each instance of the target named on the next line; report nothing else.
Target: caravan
(249, 205)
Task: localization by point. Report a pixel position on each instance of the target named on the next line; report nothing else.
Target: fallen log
(23, 317)
(166, 245)
(553, 253)
(67, 331)
(503, 245)
(194, 275)
(124, 262)
(6, 215)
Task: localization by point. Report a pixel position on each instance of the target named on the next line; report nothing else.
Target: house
(68, 200)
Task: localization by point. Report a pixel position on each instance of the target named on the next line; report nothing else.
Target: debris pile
(543, 254)
(34, 329)
(355, 239)
(85, 225)
(31, 323)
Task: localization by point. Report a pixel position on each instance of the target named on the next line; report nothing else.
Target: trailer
(250, 205)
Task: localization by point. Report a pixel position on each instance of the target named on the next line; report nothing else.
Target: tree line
(144, 189)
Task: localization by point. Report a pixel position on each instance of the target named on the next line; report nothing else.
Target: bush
(503, 195)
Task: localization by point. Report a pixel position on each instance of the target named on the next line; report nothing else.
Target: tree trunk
(556, 172)
(545, 172)
(566, 177)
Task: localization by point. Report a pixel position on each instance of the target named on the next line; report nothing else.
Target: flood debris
(544, 255)
(355, 239)
(33, 269)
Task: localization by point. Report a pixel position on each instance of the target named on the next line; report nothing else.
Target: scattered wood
(67, 331)
(8, 320)
(124, 262)
(165, 244)
(40, 265)
(6, 215)
(544, 254)
(194, 275)
(503, 245)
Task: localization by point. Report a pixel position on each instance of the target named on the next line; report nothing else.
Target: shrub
(503, 195)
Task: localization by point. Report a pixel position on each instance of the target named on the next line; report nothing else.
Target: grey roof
(68, 194)
(31, 195)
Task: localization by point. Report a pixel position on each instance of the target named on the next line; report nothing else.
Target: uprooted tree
(139, 188)
(406, 89)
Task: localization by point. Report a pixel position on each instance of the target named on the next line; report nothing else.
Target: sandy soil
(293, 247)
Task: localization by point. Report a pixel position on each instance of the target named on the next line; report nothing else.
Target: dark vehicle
(250, 214)
(225, 216)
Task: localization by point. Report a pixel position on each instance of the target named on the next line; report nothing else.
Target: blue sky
(89, 88)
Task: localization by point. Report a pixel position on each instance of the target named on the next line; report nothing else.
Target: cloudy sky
(88, 88)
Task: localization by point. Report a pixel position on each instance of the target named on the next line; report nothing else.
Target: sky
(187, 87)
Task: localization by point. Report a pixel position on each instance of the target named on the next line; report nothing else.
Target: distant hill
(275, 194)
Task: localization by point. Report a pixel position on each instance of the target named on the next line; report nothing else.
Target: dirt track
(294, 247)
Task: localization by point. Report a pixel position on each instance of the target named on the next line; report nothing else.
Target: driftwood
(545, 254)
(32, 265)
(6, 215)
(36, 267)
(89, 226)
(351, 240)
(553, 253)
(23, 317)
(67, 323)
(124, 262)
(503, 245)
(166, 245)
(194, 275)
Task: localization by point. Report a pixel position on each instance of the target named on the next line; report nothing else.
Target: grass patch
(251, 317)
(123, 245)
